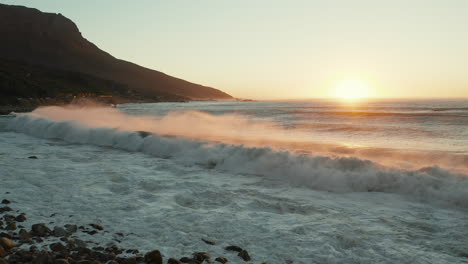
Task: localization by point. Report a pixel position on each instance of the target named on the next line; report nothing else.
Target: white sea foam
(104, 127)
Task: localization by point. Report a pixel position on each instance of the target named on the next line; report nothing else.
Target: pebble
(5, 201)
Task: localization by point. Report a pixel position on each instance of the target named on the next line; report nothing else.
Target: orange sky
(269, 49)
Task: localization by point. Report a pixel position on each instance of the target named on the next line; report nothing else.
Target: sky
(268, 49)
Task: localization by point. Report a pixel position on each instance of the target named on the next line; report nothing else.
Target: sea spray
(337, 174)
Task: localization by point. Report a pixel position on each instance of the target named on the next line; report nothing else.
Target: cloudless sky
(267, 49)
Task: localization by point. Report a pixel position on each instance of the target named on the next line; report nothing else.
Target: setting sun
(352, 89)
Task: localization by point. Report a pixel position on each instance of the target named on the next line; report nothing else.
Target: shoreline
(45, 243)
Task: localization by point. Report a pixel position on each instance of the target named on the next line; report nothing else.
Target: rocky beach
(44, 243)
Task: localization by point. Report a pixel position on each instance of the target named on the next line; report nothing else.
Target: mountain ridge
(54, 41)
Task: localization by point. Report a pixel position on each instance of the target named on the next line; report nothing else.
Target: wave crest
(343, 174)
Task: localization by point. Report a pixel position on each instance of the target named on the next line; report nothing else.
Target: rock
(38, 239)
(40, 230)
(5, 209)
(24, 235)
(244, 255)
(201, 256)
(20, 218)
(32, 157)
(2, 261)
(173, 261)
(5, 201)
(3, 252)
(71, 228)
(185, 259)
(153, 257)
(221, 260)
(233, 248)
(80, 243)
(6, 243)
(59, 231)
(43, 257)
(209, 242)
(58, 247)
(11, 226)
(61, 261)
(98, 227)
(9, 218)
(92, 232)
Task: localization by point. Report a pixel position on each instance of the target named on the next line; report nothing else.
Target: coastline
(74, 243)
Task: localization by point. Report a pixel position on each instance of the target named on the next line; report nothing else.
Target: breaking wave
(339, 174)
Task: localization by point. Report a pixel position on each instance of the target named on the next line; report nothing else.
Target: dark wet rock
(153, 257)
(20, 218)
(201, 256)
(92, 232)
(3, 261)
(221, 260)
(98, 227)
(61, 261)
(98, 248)
(40, 230)
(185, 259)
(119, 234)
(5, 209)
(5, 201)
(23, 234)
(173, 261)
(43, 257)
(233, 248)
(58, 247)
(11, 226)
(209, 242)
(38, 239)
(6, 243)
(9, 218)
(59, 231)
(3, 252)
(71, 228)
(244, 255)
(32, 157)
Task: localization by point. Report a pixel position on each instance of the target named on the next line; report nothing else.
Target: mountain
(42, 46)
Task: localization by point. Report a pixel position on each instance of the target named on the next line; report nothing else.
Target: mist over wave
(228, 143)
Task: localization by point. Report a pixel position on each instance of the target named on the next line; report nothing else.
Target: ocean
(318, 181)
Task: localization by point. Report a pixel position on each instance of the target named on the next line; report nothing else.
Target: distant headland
(44, 59)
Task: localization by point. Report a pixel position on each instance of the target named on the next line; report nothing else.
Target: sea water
(291, 182)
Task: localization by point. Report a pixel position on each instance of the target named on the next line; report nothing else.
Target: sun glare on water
(352, 90)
